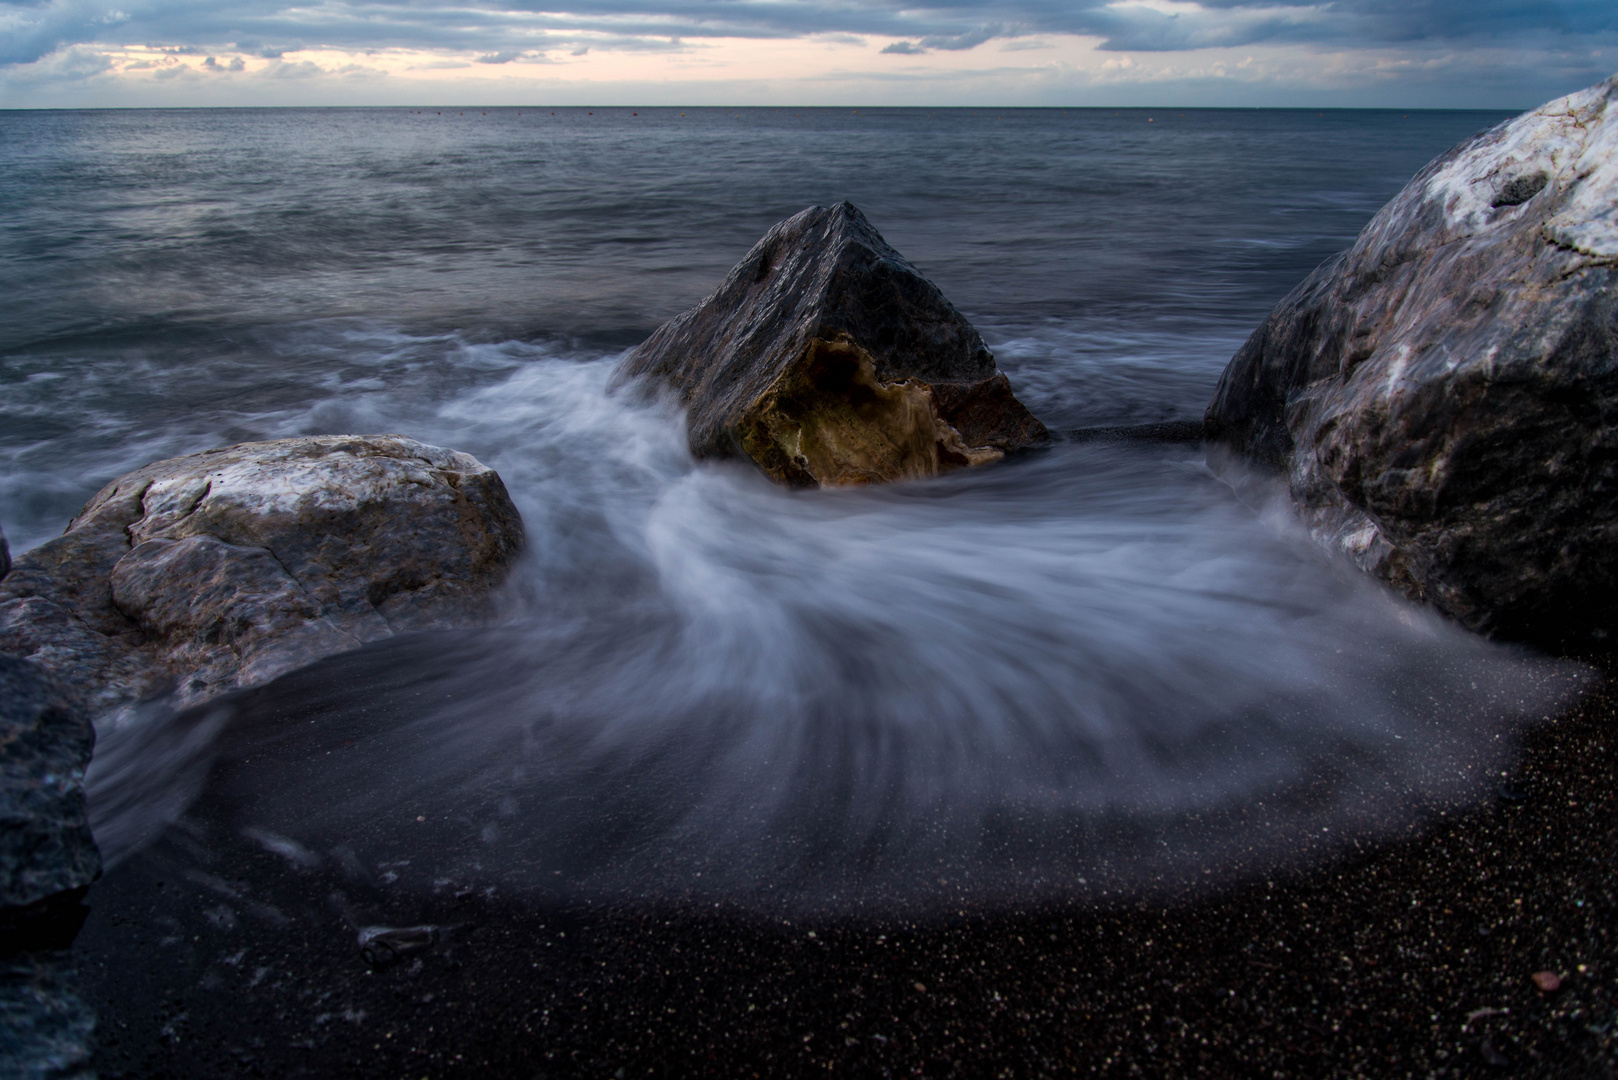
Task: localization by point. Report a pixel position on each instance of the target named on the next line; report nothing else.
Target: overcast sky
(1507, 54)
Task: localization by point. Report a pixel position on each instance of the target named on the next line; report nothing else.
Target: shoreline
(1413, 958)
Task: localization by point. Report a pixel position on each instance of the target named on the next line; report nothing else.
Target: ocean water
(1090, 669)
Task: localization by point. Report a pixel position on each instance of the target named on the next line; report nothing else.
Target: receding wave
(1090, 670)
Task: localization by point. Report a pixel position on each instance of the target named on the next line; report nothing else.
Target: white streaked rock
(227, 568)
(1444, 395)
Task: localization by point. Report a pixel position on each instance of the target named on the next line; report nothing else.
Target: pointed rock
(827, 359)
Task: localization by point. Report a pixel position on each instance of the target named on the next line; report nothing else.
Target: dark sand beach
(1411, 957)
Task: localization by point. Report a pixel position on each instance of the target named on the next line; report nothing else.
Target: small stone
(1548, 981)
(382, 945)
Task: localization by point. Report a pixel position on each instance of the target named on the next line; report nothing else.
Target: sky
(1495, 54)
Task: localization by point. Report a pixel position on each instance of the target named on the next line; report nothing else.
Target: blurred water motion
(1089, 669)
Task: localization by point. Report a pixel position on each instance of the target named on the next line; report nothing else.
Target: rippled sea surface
(1091, 668)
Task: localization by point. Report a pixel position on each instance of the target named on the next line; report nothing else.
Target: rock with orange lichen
(827, 359)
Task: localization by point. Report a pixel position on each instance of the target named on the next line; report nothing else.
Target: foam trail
(1089, 670)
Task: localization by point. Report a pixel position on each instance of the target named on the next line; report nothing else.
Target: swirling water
(1091, 669)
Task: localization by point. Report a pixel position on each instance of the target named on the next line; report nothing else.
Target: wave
(1089, 670)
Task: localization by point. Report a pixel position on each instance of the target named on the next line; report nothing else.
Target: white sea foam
(1090, 668)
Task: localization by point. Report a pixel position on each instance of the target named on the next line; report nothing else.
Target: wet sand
(209, 956)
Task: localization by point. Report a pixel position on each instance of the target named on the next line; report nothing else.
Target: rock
(46, 1029)
(382, 945)
(828, 359)
(5, 555)
(47, 856)
(227, 568)
(1442, 395)
(1548, 982)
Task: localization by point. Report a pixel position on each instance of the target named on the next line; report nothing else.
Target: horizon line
(777, 108)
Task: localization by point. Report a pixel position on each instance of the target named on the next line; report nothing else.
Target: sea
(1097, 670)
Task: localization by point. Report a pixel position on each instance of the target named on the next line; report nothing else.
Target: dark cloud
(969, 40)
(1397, 21)
(75, 65)
(36, 28)
(1336, 23)
(954, 42)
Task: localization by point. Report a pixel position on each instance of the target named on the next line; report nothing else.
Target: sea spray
(1090, 670)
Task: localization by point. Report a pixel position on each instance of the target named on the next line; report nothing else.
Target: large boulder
(828, 359)
(1443, 396)
(46, 852)
(224, 569)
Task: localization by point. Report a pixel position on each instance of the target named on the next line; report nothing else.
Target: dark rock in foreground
(1444, 395)
(46, 1029)
(47, 857)
(828, 359)
(227, 568)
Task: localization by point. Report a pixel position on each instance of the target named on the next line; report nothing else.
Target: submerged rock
(828, 359)
(382, 945)
(230, 567)
(1444, 395)
(47, 856)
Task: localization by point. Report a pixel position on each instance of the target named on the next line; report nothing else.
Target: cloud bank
(1440, 50)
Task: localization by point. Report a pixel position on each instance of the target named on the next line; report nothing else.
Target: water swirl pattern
(1090, 671)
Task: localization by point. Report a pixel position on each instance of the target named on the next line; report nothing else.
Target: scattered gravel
(1482, 946)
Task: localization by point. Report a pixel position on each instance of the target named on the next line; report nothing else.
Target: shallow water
(1090, 669)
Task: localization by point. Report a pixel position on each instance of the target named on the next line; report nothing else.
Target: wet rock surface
(47, 856)
(224, 569)
(46, 1029)
(827, 359)
(221, 950)
(1441, 395)
(48, 859)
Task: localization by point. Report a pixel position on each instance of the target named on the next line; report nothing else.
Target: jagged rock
(227, 568)
(1443, 395)
(828, 359)
(46, 851)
